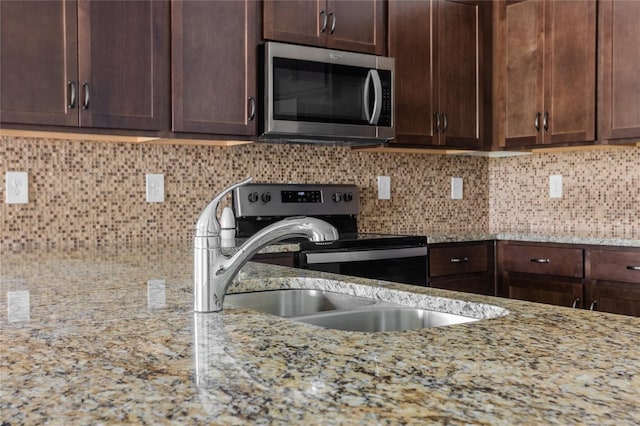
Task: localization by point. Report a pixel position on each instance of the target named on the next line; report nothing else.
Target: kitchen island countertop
(109, 336)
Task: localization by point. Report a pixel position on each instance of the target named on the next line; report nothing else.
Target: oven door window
(319, 92)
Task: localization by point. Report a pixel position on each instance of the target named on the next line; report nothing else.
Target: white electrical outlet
(456, 188)
(155, 188)
(17, 187)
(384, 187)
(555, 186)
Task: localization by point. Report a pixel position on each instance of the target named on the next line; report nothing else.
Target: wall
(86, 193)
(601, 194)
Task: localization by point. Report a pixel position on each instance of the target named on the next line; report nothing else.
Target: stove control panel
(295, 199)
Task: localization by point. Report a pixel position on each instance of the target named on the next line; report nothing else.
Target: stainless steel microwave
(314, 95)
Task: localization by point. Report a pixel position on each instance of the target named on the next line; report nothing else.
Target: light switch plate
(456, 188)
(555, 186)
(17, 187)
(384, 187)
(155, 188)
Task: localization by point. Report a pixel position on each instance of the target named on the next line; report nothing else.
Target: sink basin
(385, 319)
(296, 302)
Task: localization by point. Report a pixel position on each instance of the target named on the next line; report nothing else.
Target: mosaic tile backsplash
(85, 193)
(93, 193)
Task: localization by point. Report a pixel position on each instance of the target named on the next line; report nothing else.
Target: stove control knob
(337, 197)
(253, 197)
(348, 196)
(266, 197)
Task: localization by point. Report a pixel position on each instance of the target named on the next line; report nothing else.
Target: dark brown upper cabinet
(100, 64)
(358, 26)
(439, 86)
(620, 62)
(545, 74)
(213, 62)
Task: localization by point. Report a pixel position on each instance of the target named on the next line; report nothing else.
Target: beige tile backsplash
(88, 193)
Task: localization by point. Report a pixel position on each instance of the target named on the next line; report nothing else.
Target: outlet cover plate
(384, 187)
(555, 186)
(155, 188)
(17, 187)
(456, 188)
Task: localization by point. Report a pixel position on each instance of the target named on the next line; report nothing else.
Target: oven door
(401, 264)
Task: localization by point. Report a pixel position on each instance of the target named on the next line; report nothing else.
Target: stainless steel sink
(385, 319)
(342, 311)
(296, 302)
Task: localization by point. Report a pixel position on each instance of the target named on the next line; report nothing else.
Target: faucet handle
(208, 224)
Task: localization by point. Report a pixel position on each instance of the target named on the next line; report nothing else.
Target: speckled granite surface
(95, 337)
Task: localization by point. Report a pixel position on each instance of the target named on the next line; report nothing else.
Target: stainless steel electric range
(399, 258)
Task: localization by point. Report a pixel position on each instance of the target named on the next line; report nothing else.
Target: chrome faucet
(213, 271)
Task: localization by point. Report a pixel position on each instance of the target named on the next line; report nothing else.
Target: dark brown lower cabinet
(602, 278)
(613, 279)
(466, 267)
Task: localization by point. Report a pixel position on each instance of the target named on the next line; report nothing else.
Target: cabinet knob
(536, 122)
(444, 123)
(575, 303)
(436, 120)
(593, 306)
(459, 259)
(633, 268)
(333, 22)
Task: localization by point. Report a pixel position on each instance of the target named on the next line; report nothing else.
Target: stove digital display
(301, 196)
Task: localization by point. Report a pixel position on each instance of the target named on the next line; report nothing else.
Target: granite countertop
(109, 336)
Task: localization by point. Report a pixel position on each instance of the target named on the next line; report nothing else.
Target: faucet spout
(214, 272)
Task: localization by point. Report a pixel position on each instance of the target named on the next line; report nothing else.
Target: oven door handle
(314, 258)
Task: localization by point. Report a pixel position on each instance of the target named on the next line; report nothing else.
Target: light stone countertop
(108, 336)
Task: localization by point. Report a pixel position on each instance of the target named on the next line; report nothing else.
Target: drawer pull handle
(540, 260)
(575, 303)
(459, 259)
(593, 306)
(633, 268)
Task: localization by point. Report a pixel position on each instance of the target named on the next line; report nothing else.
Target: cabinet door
(358, 26)
(410, 30)
(459, 66)
(523, 82)
(544, 289)
(214, 49)
(570, 71)
(620, 56)
(297, 21)
(615, 297)
(38, 62)
(123, 51)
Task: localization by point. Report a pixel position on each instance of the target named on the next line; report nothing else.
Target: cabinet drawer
(457, 260)
(566, 262)
(614, 265)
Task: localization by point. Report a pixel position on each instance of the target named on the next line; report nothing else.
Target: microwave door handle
(367, 82)
(377, 103)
